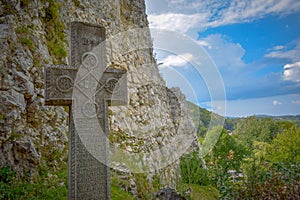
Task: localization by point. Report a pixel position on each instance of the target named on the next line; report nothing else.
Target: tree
(272, 170)
(285, 148)
(253, 129)
(225, 156)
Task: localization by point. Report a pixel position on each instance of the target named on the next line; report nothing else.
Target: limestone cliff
(35, 33)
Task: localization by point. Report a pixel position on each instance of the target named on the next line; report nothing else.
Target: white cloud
(176, 60)
(176, 1)
(291, 72)
(245, 11)
(224, 53)
(240, 78)
(297, 102)
(276, 102)
(279, 47)
(204, 43)
(176, 21)
(290, 54)
(290, 51)
(206, 14)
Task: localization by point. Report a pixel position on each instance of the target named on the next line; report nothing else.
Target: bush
(278, 181)
(192, 171)
(6, 180)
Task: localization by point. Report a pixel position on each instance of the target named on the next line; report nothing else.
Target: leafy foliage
(252, 129)
(285, 148)
(192, 171)
(271, 169)
(260, 159)
(225, 156)
(278, 181)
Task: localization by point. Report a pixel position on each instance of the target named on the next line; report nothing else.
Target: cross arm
(113, 87)
(59, 82)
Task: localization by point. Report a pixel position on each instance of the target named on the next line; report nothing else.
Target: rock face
(33, 34)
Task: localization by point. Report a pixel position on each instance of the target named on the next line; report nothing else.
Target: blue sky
(253, 48)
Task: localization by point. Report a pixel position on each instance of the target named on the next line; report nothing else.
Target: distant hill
(202, 118)
(291, 118)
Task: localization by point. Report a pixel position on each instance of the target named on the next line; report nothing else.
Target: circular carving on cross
(90, 109)
(112, 85)
(64, 83)
(89, 60)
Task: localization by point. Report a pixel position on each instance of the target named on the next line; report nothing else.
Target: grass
(198, 192)
(118, 194)
(54, 186)
(25, 37)
(28, 42)
(45, 187)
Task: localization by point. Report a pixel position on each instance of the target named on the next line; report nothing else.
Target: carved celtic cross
(88, 176)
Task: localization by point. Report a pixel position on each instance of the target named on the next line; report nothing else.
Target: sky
(236, 58)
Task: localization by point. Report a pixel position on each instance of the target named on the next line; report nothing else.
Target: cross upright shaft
(88, 177)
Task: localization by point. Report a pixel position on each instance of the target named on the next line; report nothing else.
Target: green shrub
(278, 181)
(7, 177)
(192, 171)
(273, 170)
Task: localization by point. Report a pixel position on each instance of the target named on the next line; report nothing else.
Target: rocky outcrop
(168, 194)
(35, 33)
(29, 131)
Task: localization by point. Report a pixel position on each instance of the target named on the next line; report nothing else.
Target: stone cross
(88, 176)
